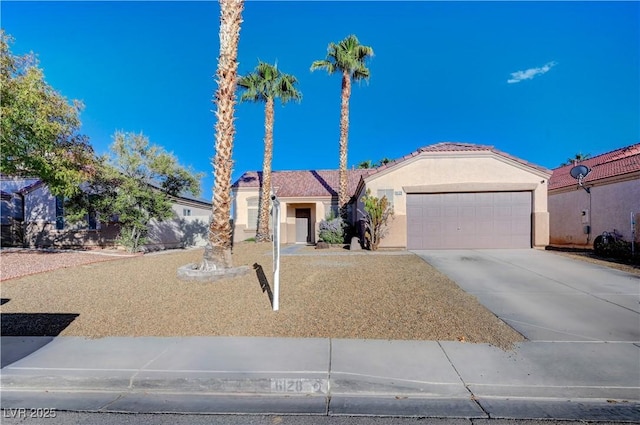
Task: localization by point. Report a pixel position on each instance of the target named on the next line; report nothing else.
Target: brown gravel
(17, 262)
(330, 293)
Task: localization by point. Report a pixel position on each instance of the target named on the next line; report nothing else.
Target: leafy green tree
(39, 128)
(348, 58)
(135, 183)
(265, 84)
(377, 212)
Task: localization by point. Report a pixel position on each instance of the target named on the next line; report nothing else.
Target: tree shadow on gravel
(264, 282)
(24, 333)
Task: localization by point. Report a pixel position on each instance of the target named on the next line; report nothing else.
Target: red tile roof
(306, 183)
(303, 183)
(611, 164)
(460, 147)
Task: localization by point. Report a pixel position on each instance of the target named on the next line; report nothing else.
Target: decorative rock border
(191, 273)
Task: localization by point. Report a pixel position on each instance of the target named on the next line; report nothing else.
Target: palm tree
(265, 84)
(348, 58)
(366, 164)
(217, 254)
(577, 158)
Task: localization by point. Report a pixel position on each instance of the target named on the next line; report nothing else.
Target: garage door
(469, 220)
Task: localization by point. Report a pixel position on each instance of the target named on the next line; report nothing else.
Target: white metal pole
(276, 253)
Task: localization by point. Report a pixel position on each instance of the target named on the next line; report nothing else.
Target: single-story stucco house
(32, 217)
(444, 196)
(612, 201)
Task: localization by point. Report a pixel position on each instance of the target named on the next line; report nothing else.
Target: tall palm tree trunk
(343, 196)
(262, 235)
(217, 254)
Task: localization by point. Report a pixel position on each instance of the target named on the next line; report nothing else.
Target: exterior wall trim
(471, 187)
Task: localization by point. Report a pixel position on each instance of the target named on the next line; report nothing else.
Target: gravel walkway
(372, 296)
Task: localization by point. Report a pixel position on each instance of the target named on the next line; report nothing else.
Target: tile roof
(306, 183)
(615, 163)
(460, 147)
(303, 183)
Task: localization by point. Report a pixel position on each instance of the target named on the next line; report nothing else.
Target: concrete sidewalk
(559, 380)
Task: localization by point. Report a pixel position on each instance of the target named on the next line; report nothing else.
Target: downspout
(23, 227)
(590, 218)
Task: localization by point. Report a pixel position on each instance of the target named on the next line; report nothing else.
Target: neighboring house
(33, 217)
(189, 227)
(613, 200)
(444, 196)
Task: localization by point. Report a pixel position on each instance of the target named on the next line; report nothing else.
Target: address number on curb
(298, 385)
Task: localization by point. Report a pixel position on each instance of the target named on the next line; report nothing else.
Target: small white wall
(199, 211)
(178, 232)
(40, 206)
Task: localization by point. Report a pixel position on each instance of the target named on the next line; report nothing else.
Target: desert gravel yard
(323, 293)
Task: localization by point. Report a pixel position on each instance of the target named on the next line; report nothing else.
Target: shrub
(332, 230)
(377, 213)
(612, 247)
(132, 238)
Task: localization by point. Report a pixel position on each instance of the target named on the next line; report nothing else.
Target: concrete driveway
(545, 296)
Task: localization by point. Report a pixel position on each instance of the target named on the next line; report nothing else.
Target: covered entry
(469, 220)
(303, 225)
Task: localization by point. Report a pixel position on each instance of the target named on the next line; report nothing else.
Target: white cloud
(528, 74)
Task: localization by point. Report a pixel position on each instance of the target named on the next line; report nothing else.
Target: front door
(303, 225)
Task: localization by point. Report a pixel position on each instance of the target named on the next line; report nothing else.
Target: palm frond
(324, 64)
(267, 82)
(347, 55)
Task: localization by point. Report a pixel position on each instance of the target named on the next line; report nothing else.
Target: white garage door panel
(469, 220)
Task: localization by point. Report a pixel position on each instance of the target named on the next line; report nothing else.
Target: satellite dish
(579, 171)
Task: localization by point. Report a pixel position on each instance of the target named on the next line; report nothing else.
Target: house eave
(595, 183)
(457, 155)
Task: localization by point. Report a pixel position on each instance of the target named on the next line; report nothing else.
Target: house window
(59, 213)
(186, 212)
(252, 213)
(388, 193)
(92, 218)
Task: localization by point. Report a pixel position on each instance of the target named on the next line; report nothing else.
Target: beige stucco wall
(609, 207)
(319, 206)
(241, 231)
(459, 172)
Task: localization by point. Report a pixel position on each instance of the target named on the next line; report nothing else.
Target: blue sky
(538, 80)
